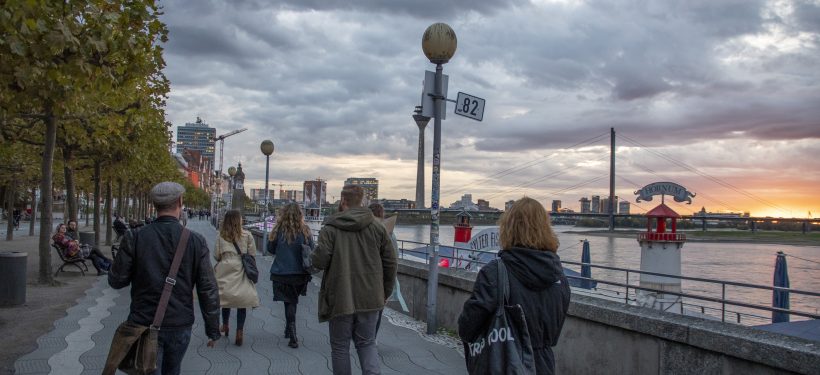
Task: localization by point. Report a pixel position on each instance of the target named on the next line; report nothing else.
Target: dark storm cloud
(338, 79)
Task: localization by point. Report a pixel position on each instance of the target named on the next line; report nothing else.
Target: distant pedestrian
(359, 264)
(183, 218)
(236, 291)
(144, 261)
(537, 282)
(287, 272)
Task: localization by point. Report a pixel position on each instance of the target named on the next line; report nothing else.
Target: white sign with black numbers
(470, 106)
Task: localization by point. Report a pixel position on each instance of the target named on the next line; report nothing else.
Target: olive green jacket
(359, 263)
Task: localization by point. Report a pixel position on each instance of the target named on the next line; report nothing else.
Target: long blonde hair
(290, 223)
(231, 229)
(526, 224)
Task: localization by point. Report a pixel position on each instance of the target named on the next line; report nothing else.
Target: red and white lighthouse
(661, 253)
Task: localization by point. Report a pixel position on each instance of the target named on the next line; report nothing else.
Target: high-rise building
(370, 186)
(483, 205)
(585, 205)
(508, 205)
(315, 193)
(605, 205)
(556, 205)
(596, 204)
(623, 207)
(290, 195)
(197, 136)
(259, 194)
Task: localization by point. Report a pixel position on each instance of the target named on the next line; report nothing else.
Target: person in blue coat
(287, 272)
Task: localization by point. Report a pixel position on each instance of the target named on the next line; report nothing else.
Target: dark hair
(377, 209)
(353, 195)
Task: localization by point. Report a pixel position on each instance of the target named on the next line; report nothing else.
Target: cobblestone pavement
(79, 342)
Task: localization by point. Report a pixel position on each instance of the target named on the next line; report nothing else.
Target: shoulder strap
(503, 291)
(170, 281)
(236, 246)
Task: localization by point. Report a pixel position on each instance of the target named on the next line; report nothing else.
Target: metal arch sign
(678, 192)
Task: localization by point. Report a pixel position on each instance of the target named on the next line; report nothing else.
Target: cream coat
(235, 289)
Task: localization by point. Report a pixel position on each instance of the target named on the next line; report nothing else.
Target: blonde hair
(526, 224)
(290, 223)
(231, 229)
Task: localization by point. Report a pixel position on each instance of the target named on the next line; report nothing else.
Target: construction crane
(221, 140)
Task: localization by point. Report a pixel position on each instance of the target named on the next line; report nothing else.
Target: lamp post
(231, 172)
(439, 45)
(267, 149)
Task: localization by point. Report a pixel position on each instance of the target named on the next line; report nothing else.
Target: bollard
(13, 265)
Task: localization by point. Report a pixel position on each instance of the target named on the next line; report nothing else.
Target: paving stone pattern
(79, 342)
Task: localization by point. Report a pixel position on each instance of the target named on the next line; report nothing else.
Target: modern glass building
(197, 136)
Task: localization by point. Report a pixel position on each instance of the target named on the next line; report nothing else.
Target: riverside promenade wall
(605, 337)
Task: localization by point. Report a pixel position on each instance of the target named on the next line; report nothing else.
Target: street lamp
(267, 149)
(439, 45)
(231, 173)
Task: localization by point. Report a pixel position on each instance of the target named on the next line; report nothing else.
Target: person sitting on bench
(71, 248)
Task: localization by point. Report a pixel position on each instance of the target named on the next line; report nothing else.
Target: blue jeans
(361, 328)
(172, 345)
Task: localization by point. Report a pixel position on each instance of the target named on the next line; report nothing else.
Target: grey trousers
(361, 328)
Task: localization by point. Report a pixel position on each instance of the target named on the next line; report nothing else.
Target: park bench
(77, 261)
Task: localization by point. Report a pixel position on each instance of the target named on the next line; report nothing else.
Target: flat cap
(166, 193)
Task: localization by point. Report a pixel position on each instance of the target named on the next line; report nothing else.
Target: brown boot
(239, 337)
(224, 329)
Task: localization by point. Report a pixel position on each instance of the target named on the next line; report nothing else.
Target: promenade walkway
(79, 342)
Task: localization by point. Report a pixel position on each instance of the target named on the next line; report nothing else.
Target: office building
(397, 204)
(596, 204)
(370, 186)
(605, 205)
(197, 136)
(315, 193)
(290, 195)
(623, 207)
(556, 205)
(465, 203)
(585, 209)
(483, 205)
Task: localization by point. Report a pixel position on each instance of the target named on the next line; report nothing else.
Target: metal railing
(630, 289)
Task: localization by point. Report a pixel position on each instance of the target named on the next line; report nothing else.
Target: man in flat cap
(144, 261)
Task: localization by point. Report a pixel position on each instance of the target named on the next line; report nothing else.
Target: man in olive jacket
(359, 263)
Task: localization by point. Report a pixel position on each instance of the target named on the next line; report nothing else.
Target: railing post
(723, 302)
(626, 295)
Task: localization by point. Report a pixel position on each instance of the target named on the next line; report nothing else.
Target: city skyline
(728, 89)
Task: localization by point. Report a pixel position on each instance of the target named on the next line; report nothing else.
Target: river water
(751, 263)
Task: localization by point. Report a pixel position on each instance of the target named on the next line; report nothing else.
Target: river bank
(758, 237)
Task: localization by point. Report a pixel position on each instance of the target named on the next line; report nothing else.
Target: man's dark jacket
(538, 284)
(144, 260)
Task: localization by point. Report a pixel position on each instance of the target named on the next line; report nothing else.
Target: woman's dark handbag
(134, 346)
(249, 264)
(505, 346)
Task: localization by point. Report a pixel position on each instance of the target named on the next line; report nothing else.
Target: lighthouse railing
(417, 251)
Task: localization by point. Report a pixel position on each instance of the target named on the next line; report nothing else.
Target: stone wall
(605, 337)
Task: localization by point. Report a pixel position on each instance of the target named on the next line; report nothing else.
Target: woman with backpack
(536, 282)
(287, 272)
(236, 290)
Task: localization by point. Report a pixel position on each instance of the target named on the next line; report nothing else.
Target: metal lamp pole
(267, 149)
(439, 45)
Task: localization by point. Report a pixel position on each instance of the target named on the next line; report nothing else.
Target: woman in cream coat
(235, 289)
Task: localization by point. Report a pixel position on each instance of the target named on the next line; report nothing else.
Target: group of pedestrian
(358, 257)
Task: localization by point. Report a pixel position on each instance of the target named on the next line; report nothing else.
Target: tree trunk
(87, 216)
(33, 211)
(120, 210)
(10, 193)
(109, 197)
(71, 203)
(46, 189)
(97, 195)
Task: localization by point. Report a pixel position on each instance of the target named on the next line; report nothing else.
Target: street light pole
(439, 45)
(267, 149)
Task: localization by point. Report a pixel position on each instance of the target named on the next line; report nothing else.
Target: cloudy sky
(720, 96)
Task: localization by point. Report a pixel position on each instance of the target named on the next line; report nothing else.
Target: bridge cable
(537, 180)
(703, 174)
(522, 166)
